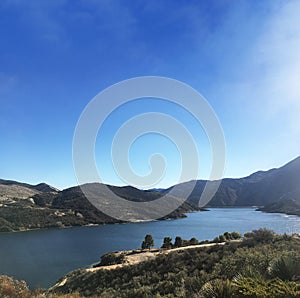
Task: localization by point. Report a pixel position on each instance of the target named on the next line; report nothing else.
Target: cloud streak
(279, 57)
(277, 60)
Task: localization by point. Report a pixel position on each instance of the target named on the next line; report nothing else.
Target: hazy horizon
(121, 185)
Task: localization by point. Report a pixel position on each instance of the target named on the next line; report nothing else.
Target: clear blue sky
(55, 56)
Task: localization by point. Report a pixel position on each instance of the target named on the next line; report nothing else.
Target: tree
(222, 238)
(178, 242)
(193, 241)
(167, 243)
(227, 236)
(216, 239)
(148, 242)
(236, 235)
(262, 235)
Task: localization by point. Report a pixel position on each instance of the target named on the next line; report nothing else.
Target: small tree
(178, 242)
(222, 238)
(261, 235)
(148, 242)
(216, 240)
(264, 235)
(227, 236)
(167, 243)
(236, 235)
(193, 241)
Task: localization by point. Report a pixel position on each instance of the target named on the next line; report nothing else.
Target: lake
(41, 257)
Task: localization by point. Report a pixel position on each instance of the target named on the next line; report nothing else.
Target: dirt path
(133, 257)
(136, 257)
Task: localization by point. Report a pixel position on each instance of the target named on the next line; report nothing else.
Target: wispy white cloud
(261, 93)
(278, 56)
(273, 86)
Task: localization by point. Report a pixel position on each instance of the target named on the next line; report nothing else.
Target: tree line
(148, 242)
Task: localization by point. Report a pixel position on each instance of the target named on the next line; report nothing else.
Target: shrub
(261, 236)
(286, 267)
(218, 289)
(112, 259)
(193, 241)
(12, 288)
(236, 235)
(259, 287)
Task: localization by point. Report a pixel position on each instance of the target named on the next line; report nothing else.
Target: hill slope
(287, 206)
(241, 266)
(258, 189)
(12, 189)
(25, 206)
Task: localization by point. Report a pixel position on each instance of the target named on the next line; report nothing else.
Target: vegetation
(167, 243)
(148, 242)
(111, 259)
(263, 264)
(179, 242)
(12, 288)
(30, 208)
(258, 189)
(253, 267)
(287, 206)
(259, 236)
(25, 206)
(285, 267)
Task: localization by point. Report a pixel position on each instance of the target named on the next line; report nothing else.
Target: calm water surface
(41, 257)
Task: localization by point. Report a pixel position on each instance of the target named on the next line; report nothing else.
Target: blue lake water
(41, 257)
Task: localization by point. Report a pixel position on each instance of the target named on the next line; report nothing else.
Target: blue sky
(55, 56)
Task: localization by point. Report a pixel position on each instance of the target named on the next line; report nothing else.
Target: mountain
(24, 206)
(259, 189)
(12, 189)
(287, 206)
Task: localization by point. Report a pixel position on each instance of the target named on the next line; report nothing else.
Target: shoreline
(277, 212)
(136, 222)
(97, 225)
(136, 257)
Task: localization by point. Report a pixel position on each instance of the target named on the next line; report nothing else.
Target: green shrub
(218, 289)
(112, 259)
(286, 267)
(258, 287)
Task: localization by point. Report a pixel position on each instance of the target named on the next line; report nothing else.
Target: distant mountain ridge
(43, 187)
(12, 189)
(24, 206)
(258, 189)
(287, 206)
